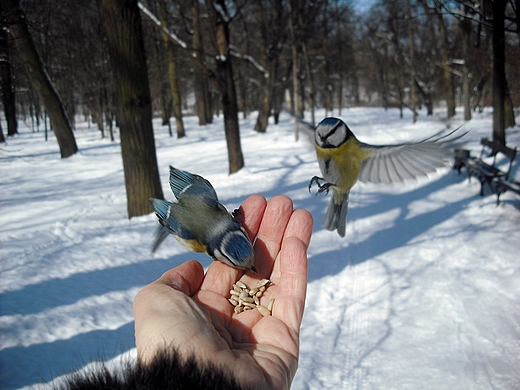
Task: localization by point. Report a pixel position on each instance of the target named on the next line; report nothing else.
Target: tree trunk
(413, 89)
(41, 81)
(517, 8)
(166, 106)
(172, 73)
(466, 73)
(448, 81)
(499, 74)
(270, 45)
(200, 84)
(132, 103)
(220, 20)
(8, 95)
(265, 104)
(295, 50)
(308, 70)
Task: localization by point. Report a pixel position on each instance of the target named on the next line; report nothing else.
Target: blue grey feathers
(199, 222)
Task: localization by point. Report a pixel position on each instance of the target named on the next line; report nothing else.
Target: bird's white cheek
(219, 256)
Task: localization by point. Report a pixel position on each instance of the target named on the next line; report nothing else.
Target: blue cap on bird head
(331, 133)
(237, 250)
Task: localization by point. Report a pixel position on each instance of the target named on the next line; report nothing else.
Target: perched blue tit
(344, 160)
(199, 222)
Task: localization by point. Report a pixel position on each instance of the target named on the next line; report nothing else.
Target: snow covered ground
(422, 293)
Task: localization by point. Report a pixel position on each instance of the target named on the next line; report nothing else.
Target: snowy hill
(422, 293)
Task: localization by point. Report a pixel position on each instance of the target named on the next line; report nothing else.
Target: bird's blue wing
(182, 182)
(163, 210)
(396, 163)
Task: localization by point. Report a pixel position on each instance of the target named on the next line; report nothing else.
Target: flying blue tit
(344, 160)
(199, 222)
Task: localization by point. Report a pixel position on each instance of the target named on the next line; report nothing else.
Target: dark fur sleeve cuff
(166, 371)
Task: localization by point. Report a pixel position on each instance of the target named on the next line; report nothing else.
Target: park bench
(488, 174)
(502, 186)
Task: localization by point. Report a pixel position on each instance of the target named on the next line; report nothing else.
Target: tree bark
(271, 39)
(220, 19)
(413, 90)
(132, 103)
(448, 80)
(8, 95)
(172, 73)
(41, 81)
(499, 74)
(265, 102)
(466, 91)
(312, 95)
(201, 86)
(295, 51)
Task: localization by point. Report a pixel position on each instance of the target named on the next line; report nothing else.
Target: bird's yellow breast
(342, 165)
(192, 245)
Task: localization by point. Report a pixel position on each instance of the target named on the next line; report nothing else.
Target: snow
(423, 292)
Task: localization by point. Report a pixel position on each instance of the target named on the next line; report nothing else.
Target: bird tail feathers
(162, 210)
(161, 234)
(336, 216)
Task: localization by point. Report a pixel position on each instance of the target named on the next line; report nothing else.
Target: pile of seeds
(244, 298)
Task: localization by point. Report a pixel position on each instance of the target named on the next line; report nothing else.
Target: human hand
(189, 312)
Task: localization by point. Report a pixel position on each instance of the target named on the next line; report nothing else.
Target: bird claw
(321, 187)
(236, 212)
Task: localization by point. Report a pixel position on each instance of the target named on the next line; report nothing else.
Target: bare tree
(222, 76)
(446, 62)
(220, 19)
(133, 103)
(269, 17)
(40, 79)
(8, 93)
(172, 72)
(411, 62)
(297, 88)
(201, 83)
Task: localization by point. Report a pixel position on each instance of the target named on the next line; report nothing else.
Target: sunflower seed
(263, 282)
(263, 311)
(240, 284)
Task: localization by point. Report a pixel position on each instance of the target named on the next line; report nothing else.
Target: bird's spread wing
(169, 224)
(182, 182)
(396, 163)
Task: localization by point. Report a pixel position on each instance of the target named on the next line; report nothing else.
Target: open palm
(190, 312)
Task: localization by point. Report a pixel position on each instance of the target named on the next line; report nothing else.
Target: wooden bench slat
(484, 172)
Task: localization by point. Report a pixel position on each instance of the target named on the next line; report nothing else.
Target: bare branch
(251, 59)
(154, 19)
